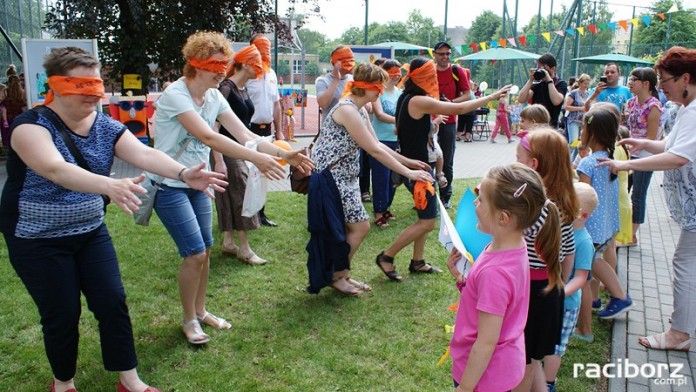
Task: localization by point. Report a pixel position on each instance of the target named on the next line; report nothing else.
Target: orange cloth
(264, 47)
(345, 56)
(71, 85)
(210, 65)
(394, 71)
(425, 77)
(420, 198)
(363, 85)
(250, 56)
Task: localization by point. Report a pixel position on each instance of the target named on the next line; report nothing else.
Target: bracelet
(180, 176)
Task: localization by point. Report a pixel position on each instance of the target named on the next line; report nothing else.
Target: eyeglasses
(663, 81)
(443, 53)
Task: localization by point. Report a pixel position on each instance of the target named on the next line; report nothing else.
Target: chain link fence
(19, 19)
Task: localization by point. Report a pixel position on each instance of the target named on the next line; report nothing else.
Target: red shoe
(53, 387)
(122, 388)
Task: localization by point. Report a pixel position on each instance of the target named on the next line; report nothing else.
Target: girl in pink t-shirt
(488, 351)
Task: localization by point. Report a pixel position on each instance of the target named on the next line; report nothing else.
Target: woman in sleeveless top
(414, 107)
(343, 132)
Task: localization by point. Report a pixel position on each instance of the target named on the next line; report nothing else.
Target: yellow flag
(547, 36)
(581, 30)
(430, 52)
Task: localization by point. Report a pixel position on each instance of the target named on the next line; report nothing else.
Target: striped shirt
(567, 240)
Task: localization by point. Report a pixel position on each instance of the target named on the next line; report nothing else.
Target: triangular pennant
(430, 52)
(494, 44)
(603, 26)
(464, 49)
(646, 20)
(612, 26)
(547, 36)
(531, 39)
(523, 40)
(483, 45)
(474, 47)
(634, 22)
(570, 32)
(593, 29)
(673, 8)
(512, 42)
(661, 15)
(493, 61)
(560, 33)
(624, 24)
(502, 42)
(581, 30)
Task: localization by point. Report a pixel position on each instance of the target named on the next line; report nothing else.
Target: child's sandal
(382, 221)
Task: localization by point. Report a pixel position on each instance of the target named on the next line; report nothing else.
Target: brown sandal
(392, 275)
(421, 267)
(382, 221)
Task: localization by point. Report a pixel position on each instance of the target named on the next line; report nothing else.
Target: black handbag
(60, 126)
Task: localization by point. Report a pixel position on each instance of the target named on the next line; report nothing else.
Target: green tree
(484, 29)
(648, 40)
(389, 32)
(355, 35)
(312, 40)
(422, 30)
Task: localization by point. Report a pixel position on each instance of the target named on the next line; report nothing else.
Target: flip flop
(197, 336)
(661, 344)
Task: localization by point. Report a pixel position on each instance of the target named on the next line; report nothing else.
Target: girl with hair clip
(384, 124)
(643, 111)
(487, 348)
(420, 100)
(245, 65)
(546, 151)
(533, 116)
(601, 125)
(343, 132)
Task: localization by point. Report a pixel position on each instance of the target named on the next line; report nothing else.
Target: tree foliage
(648, 40)
(133, 33)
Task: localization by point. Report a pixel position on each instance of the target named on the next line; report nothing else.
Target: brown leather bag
(299, 182)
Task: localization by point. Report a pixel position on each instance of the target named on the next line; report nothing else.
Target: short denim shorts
(188, 216)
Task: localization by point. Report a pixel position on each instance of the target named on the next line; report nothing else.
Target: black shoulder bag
(60, 126)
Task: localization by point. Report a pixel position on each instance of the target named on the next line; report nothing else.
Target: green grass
(283, 339)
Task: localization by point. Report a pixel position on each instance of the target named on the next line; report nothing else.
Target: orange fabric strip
(425, 77)
(345, 56)
(250, 56)
(420, 198)
(210, 65)
(394, 71)
(71, 85)
(363, 85)
(264, 47)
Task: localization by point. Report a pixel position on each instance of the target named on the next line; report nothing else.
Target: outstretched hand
(614, 166)
(122, 192)
(420, 175)
(502, 92)
(298, 159)
(203, 180)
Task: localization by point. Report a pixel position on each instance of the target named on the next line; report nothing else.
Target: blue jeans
(446, 136)
(188, 216)
(574, 128)
(382, 189)
(639, 194)
(55, 271)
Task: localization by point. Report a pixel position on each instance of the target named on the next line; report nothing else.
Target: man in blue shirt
(610, 91)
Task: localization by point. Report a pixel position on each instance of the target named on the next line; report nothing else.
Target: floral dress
(335, 147)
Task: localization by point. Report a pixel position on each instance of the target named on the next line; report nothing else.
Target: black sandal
(392, 275)
(421, 267)
(382, 221)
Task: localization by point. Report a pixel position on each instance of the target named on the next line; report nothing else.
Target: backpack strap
(455, 76)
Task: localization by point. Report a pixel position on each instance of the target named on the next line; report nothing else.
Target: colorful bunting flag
(634, 22)
(474, 47)
(570, 32)
(603, 26)
(547, 36)
(581, 30)
(531, 39)
(494, 44)
(483, 45)
(661, 15)
(523, 40)
(502, 42)
(593, 29)
(430, 52)
(624, 24)
(612, 26)
(512, 42)
(673, 8)
(646, 20)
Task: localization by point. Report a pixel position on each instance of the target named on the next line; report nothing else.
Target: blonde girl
(533, 116)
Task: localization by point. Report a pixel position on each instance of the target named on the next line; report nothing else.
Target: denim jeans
(641, 182)
(188, 216)
(574, 128)
(446, 136)
(55, 271)
(382, 188)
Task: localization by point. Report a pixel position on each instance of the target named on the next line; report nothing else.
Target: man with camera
(453, 84)
(608, 89)
(545, 88)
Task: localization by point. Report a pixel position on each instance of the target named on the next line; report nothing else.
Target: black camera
(603, 79)
(539, 74)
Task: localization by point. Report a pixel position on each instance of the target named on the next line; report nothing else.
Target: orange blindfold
(69, 85)
(210, 65)
(345, 56)
(363, 85)
(249, 55)
(264, 46)
(425, 77)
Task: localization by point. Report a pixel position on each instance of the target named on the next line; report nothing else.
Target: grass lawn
(283, 339)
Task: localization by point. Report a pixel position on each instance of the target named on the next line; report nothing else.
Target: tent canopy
(401, 46)
(500, 54)
(613, 58)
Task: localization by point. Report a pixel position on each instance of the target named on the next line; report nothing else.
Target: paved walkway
(645, 270)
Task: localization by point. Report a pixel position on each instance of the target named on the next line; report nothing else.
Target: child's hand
(452, 260)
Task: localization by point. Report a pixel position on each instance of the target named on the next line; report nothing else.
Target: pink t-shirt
(498, 283)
